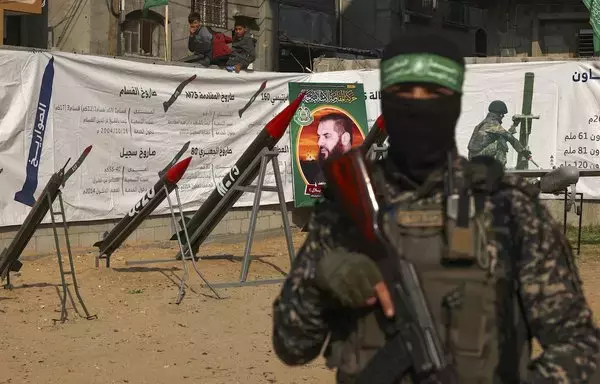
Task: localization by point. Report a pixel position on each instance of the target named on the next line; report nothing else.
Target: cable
(67, 14)
(66, 28)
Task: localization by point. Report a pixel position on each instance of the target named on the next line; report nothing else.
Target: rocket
(268, 137)
(175, 159)
(9, 258)
(376, 135)
(144, 207)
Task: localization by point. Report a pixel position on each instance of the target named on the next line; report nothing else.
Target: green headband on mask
(422, 68)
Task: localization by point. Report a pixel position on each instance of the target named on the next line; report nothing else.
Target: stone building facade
(290, 34)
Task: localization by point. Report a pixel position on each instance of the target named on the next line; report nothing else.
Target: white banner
(53, 109)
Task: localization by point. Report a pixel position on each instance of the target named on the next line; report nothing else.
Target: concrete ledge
(83, 235)
(159, 228)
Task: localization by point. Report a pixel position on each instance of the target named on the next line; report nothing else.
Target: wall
(267, 47)
(87, 26)
(530, 28)
(153, 229)
(235, 222)
(70, 24)
(366, 24)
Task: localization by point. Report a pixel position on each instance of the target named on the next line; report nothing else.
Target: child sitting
(200, 40)
(243, 49)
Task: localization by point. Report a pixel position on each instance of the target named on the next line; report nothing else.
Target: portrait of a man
(334, 136)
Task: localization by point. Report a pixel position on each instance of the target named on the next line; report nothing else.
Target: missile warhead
(75, 166)
(175, 159)
(278, 125)
(87, 150)
(176, 172)
(559, 179)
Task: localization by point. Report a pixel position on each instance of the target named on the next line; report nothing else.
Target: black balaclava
(421, 132)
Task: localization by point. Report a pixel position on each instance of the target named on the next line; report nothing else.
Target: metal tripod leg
(181, 293)
(283, 207)
(8, 285)
(71, 263)
(63, 298)
(66, 292)
(187, 239)
(253, 216)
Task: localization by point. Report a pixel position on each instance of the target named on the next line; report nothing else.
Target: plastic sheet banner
(565, 103)
(137, 116)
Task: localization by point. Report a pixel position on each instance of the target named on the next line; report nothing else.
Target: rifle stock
(351, 182)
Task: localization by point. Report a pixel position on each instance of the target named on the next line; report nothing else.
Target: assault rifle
(413, 345)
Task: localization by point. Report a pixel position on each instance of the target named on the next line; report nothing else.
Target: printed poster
(331, 120)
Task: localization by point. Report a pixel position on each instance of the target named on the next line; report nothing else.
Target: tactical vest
(470, 293)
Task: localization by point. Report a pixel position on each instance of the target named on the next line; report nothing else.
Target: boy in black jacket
(243, 49)
(200, 39)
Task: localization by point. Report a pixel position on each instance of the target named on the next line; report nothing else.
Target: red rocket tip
(87, 150)
(380, 123)
(277, 126)
(175, 173)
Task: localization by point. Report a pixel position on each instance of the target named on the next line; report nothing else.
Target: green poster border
(356, 110)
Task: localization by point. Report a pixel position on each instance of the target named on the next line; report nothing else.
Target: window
(457, 13)
(306, 25)
(212, 12)
(585, 43)
(480, 43)
(143, 37)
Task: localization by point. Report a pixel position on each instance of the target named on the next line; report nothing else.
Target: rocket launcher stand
(187, 255)
(262, 161)
(265, 157)
(71, 272)
(63, 274)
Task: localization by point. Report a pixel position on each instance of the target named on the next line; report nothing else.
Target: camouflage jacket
(489, 137)
(549, 286)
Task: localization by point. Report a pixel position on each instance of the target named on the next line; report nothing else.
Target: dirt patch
(141, 336)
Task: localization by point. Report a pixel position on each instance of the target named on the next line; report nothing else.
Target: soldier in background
(490, 139)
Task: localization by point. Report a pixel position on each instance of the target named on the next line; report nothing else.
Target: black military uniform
(519, 281)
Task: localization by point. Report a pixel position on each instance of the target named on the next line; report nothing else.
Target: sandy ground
(142, 336)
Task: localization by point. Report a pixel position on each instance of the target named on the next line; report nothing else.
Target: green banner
(594, 7)
(154, 3)
(332, 119)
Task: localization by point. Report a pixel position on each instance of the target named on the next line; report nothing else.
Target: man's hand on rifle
(354, 280)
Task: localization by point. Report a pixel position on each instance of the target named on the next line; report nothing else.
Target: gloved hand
(349, 277)
(526, 153)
